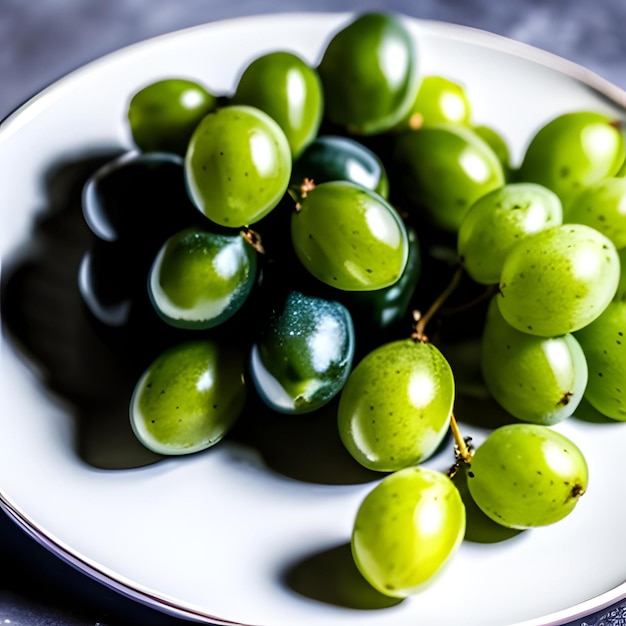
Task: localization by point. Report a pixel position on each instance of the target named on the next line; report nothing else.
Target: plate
(251, 534)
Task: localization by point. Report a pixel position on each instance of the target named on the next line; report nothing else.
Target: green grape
(604, 344)
(443, 169)
(200, 279)
(602, 205)
(439, 100)
(303, 353)
(164, 114)
(498, 144)
(237, 166)
(573, 151)
(536, 379)
(407, 529)
(369, 74)
(395, 407)
(189, 397)
(289, 90)
(349, 237)
(620, 294)
(332, 157)
(498, 220)
(558, 280)
(527, 475)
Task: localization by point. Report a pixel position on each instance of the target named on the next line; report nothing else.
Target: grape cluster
(308, 231)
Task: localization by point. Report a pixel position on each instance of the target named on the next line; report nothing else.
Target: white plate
(221, 536)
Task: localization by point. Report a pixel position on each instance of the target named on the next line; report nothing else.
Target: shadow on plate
(332, 577)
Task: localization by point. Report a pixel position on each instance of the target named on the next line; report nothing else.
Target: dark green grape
(303, 353)
(139, 200)
(444, 169)
(407, 529)
(237, 166)
(620, 294)
(369, 73)
(164, 114)
(189, 397)
(199, 278)
(558, 280)
(349, 237)
(289, 90)
(500, 219)
(604, 344)
(333, 157)
(537, 379)
(527, 475)
(439, 100)
(602, 205)
(395, 408)
(573, 151)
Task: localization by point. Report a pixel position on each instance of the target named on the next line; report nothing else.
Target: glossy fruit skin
(394, 542)
(443, 169)
(602, 205)
(558, 280)
(333, 157)
(395, 407)
(369, 74)
(189, 397)
(303, 353)
(572, 151)
(527, 475)
(439, 100)
(163, 115)
(349, 237)
(500, 219)
(199, 278)
(498, 144)
(237, 166)
(604, 344)
(540, 380)
(289, 90)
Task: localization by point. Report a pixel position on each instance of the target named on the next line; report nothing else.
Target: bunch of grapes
(309, 230)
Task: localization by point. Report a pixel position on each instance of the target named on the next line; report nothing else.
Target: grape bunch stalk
(303, 221)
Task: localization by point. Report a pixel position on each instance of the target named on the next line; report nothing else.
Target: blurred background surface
(42, 40)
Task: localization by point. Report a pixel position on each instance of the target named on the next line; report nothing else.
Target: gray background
(41, 40)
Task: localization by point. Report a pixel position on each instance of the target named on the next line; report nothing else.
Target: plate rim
(612, 598)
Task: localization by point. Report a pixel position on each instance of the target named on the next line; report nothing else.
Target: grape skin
(406, 530)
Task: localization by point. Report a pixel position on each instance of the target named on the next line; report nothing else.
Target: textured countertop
(41, 40)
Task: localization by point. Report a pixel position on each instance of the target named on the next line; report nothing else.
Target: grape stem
(253, 238)
(422, 320)
(463, 451)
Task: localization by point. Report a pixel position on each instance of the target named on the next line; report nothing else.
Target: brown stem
(254, 239)
(422, 320)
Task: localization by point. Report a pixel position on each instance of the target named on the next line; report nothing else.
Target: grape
(573, 151)
(602, 205)
(444, 169)
(407, 529)
(164, 114)
(498, 220)
(527, 475)
(189, 397)
(498, 144)
(369, 74)
(200, 279)
(349, 237)
(332, 157)
(439, 100)
(237, 165)
(558, 280)
(604, 344)
(288, 90)
(536, 379)
(621, 287)
(395, 407)
(303, 353)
